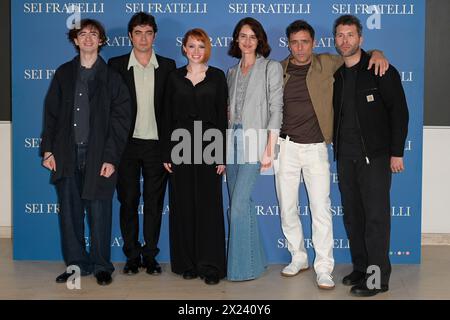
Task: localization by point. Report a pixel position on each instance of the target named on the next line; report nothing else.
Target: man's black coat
(109, 125)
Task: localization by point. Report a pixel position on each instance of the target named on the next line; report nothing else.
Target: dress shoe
(361, 290)
(325, 281)
(132, 266)
(212, 279)
(153, 268)
(62, 278)
(190, 274)
(354, 278)
(103, 278)
(294, 268)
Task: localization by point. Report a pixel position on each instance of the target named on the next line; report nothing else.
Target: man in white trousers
(306, 130)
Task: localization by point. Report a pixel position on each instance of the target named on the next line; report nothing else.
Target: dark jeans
(365, 196)
(141, 157)
(71, 221)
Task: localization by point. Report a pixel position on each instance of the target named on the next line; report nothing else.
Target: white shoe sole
(325, 287)
(288, 275)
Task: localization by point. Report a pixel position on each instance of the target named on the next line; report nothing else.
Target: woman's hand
(220, 169)
(269, 152)
(267, 159)
(168, 167)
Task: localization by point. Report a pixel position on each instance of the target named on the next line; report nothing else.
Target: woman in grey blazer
(255, 114)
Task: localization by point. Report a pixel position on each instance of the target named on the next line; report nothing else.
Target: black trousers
(365, 193)
(196, 221)
(72, 214)
(141, 157)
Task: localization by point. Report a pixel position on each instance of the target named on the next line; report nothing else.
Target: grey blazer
(263, 105)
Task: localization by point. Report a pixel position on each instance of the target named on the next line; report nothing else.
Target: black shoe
(103, 278)
(361, 290)
(62, 278)
(212, 279)
(190, 274)
(132, 266)
(153, 267)
(354, 278)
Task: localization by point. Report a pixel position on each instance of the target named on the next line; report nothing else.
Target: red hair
(199, 35)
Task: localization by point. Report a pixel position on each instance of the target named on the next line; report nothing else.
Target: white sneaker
(294, 268)
(325, 281)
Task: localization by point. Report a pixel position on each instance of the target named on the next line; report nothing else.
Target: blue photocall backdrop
(40, 45)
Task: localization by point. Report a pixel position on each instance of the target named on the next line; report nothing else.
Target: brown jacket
(319, 81)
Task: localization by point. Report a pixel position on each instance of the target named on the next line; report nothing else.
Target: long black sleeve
(222, 111)
(395, 101)
(166, 130)
(120, 121)
(51, 111)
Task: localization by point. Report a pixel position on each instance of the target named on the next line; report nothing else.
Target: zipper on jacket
(357, 122)
(359, 127)
(339, 117)
(362, 139)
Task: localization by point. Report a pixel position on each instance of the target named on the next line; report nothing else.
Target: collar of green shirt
(133, 62)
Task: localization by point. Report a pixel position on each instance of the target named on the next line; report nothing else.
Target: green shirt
(144, 80)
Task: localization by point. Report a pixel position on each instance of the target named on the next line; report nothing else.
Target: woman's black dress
(196, 221)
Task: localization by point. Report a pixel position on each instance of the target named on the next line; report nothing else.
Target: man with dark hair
(370, 129)
(145, 75)
(86, 124)
(306, 130)
(347, 20)
(142, 19)
(91, 24)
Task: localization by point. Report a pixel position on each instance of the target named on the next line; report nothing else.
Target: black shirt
(81, 103)
(186, 103)
(350, 145)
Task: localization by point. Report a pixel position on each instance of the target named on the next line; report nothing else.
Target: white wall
(435, 181)
(5, 179)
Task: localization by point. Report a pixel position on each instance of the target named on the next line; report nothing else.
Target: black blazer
(109, 123)
(166, 65)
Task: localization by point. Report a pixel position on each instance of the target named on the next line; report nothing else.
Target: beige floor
(35, 280)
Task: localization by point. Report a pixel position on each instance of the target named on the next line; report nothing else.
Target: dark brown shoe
(153, 268)
(190, 274)
(62, 278)
(361, 290)
(103, 278)
(132, 267)
(212, 279)
(354, 278)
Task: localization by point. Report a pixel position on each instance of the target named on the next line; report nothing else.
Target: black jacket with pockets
(382, 112)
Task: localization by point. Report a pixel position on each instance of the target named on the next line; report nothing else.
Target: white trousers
(311, 160)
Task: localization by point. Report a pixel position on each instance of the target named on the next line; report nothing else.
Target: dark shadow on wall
(5, 61)
(437, 64)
